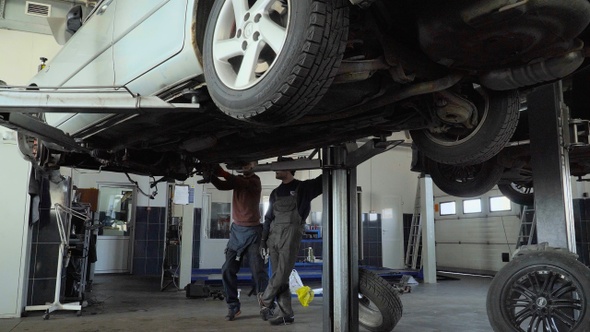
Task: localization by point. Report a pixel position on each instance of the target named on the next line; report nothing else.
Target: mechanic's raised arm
(312, 188)
(218, 172)
(221, 184)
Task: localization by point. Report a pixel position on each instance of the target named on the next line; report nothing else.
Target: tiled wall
(582, 227)
(44, 254)
(148, 253)
(373, 255)
(45, 246)
(149, 240)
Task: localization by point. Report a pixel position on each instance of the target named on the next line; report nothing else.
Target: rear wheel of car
(466, 180)
(272, 61)
(519, 193)
(455, 144)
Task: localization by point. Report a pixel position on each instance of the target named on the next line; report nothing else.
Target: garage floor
(128, 303)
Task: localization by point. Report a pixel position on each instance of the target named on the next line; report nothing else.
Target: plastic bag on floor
(294, 282)
(304, 293)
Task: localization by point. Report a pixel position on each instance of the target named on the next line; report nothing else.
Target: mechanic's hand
(264, 252)
(219, 172)
(206, 177)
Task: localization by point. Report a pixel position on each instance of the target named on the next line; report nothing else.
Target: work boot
(232, 313)
(282, 320)
(266, 312)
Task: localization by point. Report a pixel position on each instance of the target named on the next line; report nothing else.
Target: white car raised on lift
(220, 80)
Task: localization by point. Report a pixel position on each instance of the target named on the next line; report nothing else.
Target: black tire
(456, 145)
(380, 307)
(543, 287)
(465, 181)
(296, 78)
(518, 193)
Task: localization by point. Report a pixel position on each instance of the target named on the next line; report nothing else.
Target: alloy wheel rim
(248, 41)
(543, 299)
(369, 313)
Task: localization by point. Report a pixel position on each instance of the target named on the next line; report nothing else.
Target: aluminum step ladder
(414, 249)
(527, 233)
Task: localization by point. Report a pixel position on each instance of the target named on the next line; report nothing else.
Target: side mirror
(62, 28)
(74, 19)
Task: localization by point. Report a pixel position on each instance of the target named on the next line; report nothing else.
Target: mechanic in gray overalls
(289, 206)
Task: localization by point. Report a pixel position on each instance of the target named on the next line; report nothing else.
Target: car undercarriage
(451, 74)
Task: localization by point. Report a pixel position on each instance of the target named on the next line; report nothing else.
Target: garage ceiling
(31, 16)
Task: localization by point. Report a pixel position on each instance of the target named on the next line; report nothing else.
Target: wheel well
(202, 9)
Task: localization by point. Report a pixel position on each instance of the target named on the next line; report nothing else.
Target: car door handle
(103, 7)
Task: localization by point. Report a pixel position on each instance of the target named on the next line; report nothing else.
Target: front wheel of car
(270, 61)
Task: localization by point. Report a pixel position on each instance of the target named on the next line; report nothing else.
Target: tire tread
(315, 69)
(384, 295)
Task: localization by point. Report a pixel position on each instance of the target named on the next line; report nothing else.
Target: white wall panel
(490, 229)
(14, 198)
(385, 175)
(475, 242)
(19, 59)
(470, 257)
(20, 55)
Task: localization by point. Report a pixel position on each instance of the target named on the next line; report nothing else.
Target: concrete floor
(128, 303)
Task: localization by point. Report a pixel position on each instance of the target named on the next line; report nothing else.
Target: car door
(85, 60)
(147, 33)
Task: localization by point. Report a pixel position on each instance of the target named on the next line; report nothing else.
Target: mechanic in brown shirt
(245, 233)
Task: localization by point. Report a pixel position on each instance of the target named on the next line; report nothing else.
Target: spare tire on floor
(380, 307)
(540, 290)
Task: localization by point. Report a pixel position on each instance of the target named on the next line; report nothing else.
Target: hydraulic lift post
(341, 251)
(549, 135)
(544, 286)
(340, 225)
